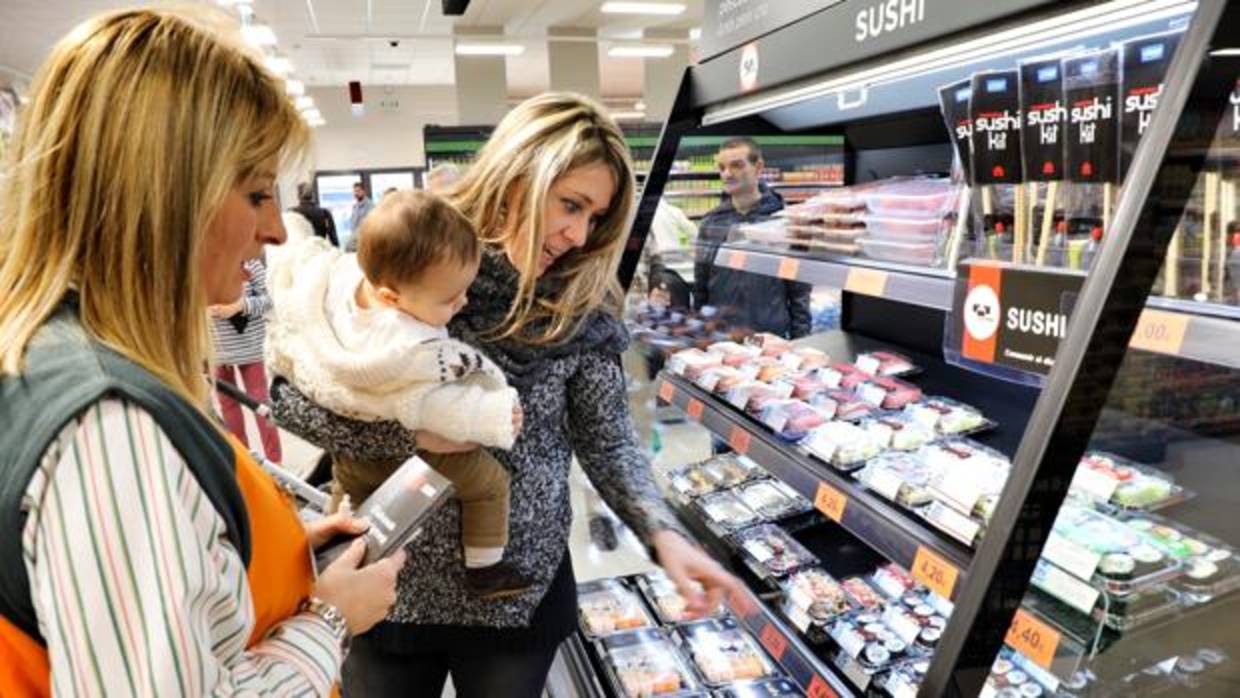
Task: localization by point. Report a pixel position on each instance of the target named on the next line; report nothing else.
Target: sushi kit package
(1091, 90)
(609, 606)
(1043, 133)
(722, 652)
(646, 663)
(997, 165)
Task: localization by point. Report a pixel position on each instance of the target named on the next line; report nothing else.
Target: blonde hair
(139, 125)
(538, 142)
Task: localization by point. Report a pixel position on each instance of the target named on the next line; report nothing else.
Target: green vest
(66, 373)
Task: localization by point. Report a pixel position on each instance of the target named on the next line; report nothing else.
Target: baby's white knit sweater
(375, 364)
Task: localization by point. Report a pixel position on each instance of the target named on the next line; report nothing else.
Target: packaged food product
(1127, 559)
(904, 680)
(791, 419)
(763, 688)
(850, 375)
(866, 639)
(850, 407)
(773, 550)
(825, 405)
(723, 652)
(817, 594)
(895, 430)
(773, 500)
(1122, 484)
(661, 593)
(718, 473)
(808, 385)
(911, 197)
(840, 201)
(1139, 608)
(885, 363)
(608, 606)
(947, 416)
(726, 510)
(769, 232)
(903, 478)
(1013, 676)
(862, 593)
(829, 374)
(1210, 566)
(647, 663)
(903, 229)
(893, 580)
(752, 396)
(771, 345)
(720, 379)
(804, 359)
(691, 362)
(845, 446)
(734, 354)
(888, 393)
(837, 234)
(968, 476)
(918, 253)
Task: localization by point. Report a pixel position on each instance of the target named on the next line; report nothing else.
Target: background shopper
(551, 194)
(362, 206)
(154, 557)
(319, 217)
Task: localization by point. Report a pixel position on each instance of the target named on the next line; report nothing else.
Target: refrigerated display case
(1054, 520)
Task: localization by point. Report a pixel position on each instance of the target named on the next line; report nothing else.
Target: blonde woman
(551, 194)
(147, 553)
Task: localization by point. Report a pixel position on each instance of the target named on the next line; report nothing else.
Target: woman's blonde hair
(139, 125)
(538, 142)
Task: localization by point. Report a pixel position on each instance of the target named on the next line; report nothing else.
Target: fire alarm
(355, 98)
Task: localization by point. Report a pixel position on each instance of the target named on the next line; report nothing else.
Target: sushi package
(1117, 558)
(646, 663)
(723, 652)
(969, 477)
(843, 445)
(903, 478)
(888, 393)
(948, 417)
(772, 551)
(666, 600)
(690, 363)
(608, 606)
(898, 431)
(997, 165)
(762, 688)
(773, 499)
(792, 420)
(1118, 483)
(719, 473)
(1091, 88)
(1144, 63)
(812, 600)
(1043, 133)
(1210, 566)
(885, 363)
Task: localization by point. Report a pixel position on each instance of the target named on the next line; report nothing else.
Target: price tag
(789, 267)
(1074, 558)
(1063, 586)
(694, 410)
(885, 482)
(1160, 332)
(667, 391)
(736, 260)
(867, 282)
(739, 440)
(960, 526)
(935, 572)
(830, 502)
(773, 641)
(818, 688)
(1033, 638)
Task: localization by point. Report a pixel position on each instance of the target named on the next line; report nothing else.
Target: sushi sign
(1013, 316)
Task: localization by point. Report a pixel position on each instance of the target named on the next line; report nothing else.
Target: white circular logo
(749, 67)
(981, 312)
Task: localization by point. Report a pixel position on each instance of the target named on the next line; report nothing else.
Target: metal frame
(1088, 360)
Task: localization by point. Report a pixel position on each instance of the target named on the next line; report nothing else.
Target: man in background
(362, 206)
(757, 301)
(319, 217)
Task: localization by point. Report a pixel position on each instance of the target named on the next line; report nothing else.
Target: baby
(364, 335)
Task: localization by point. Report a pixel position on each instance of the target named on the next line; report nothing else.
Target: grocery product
(904, 680)
(968, 476)
(888, 393)
(608, 606)
(791, 419)
(885, 363)
(1127, 559)
(752, 396)
(903, 478)
(773, 500)
(726, 510)
(1210, 566)
(808, 385)
(720, 379)
(845, 446)
(911, 197)
(690, 363)
(893, 580)
(723, 652)
(762, 688)
(733, 353)
(849, 406)
(805, 359)
(718, 473)
(646, 663)
(660, 591)
(862, 593)
(770, 344)
(1116, 481)
(948, 417)
(850, 375)
(773, 550)
(817, 594)
(866, 638)
(898, 432)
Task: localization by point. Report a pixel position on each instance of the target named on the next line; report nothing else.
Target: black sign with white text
(1045, 119)
(1145, 63)
(1091, 86)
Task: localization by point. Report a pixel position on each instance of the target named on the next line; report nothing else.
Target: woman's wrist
(334, 619)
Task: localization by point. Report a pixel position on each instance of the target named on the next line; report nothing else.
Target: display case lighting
(628, 115)
(643, 8)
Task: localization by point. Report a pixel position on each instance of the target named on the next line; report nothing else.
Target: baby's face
(439, 293)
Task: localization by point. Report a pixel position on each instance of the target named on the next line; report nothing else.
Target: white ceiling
(334, 41)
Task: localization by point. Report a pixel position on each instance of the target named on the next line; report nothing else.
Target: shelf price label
(1033, 638)
(830, 502)
(867, 282)
(667, 391)
(774, 641)
(818, 688)
(739, 440)
(789, 268)
(935, 572)
(736, 260)
(694, 409)
(1160, 332)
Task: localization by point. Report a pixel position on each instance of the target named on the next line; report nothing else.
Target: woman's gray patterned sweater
(574, 398)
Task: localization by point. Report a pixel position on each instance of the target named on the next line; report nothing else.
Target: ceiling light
(639, 105)
(311, 114)
(280, 65)
(643, 8)
(640, 51)
(303, 103)
(258, 35)
(628, 115)
(695, 34)
(295, 88)
(490, 49)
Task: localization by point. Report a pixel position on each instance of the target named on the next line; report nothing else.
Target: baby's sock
(482, 557)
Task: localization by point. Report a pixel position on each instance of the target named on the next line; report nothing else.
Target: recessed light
(628, 115)
(643, 8)
(258, 35)
(695, 34)
(295, 88)
(490, 49)
(640, 51)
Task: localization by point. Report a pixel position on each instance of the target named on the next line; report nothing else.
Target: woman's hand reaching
(698, 577)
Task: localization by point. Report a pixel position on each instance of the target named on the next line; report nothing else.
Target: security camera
(394, 43)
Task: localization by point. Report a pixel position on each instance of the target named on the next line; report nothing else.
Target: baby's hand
(518, 419)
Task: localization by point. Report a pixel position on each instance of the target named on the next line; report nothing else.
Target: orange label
(867, 282)
(667, 391)
(830, 501)
(935, 572)
(1033, 638)
(736, 260)
(739, 439)
(818, 688)
(981, 313)
(695, 409)
(1160, 332)
(789, 267)
(773, 641)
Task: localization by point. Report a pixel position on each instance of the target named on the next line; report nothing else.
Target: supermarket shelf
(887, 529)
(699, 193)
(807, 185)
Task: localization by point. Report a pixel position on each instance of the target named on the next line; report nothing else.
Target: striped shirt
(136, 587)
(233, 348)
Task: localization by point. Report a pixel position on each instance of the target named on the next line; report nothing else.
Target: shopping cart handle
(262, 409)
